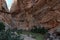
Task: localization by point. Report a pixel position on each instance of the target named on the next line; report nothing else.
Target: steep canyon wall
(25, 14)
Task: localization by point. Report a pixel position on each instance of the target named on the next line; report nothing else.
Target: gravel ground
(52, 36)
(26, 37)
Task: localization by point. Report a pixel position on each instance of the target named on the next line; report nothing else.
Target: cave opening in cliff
(9, 3)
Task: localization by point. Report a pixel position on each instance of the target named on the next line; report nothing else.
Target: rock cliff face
(29, 13)
(25, 14)
(5, 17)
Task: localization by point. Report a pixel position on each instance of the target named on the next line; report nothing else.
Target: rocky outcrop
(5, 17)
(27, 13)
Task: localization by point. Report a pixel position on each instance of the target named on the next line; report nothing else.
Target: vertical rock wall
(27, 13)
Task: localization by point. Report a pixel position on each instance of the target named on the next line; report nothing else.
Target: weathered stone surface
(36, 12)
(25, 14)
(4, 16)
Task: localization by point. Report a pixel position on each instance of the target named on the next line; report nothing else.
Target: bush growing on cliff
(9, 35)
(39, 30)
(2, 26)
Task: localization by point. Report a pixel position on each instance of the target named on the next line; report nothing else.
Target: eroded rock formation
(5, 17)
(27, 13)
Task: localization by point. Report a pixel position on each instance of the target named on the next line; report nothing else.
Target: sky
(9, 3)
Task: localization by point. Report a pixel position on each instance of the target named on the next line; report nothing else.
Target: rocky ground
(52, 36)
(26, 37)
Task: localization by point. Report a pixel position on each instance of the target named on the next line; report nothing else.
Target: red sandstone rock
(34, 12)
(27, 13)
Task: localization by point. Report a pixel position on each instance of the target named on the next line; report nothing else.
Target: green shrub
(2, 26)
(39, 30)
(9, 35)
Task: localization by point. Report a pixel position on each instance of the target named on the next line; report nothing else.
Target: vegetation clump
(39, 30)
(2, 26)
(8, 34)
